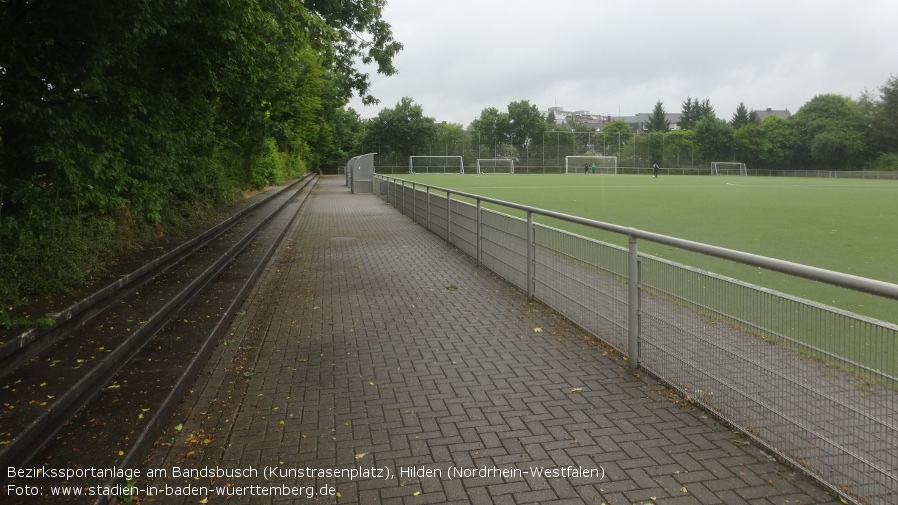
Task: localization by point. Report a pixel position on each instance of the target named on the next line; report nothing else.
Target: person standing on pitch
(586, 168)
(593, 168)
(655, 170)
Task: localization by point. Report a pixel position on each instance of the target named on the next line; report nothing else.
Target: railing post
(479, 232)
(414, 202)
(449, 217)
(428, 208)
(633, 303)
(531, 274)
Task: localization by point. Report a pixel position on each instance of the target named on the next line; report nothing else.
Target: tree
(830, 132)
(705, 109)
(688, 114)
(450, 136)
(524, 122)
(339, 136)
(616, 135)
(401, 130)
(658, 122)
(123, 115)
(714, 139)
(550, 117)
(693, 112)
(740, 117)
(885, 117)
(770, 144)
(492, 128)
(749, 144)
(679, 146)
(341, 41)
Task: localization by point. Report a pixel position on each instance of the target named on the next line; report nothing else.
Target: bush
(273, 167)
(886, 161)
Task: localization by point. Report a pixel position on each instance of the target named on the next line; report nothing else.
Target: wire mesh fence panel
(585, 280)
(409, 201)
(406, 198)
(815, 384)
(439, 205)
(419, 205)
(464, 227)
(782, 369)
(504, 247)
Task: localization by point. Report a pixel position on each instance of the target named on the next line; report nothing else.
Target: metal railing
(689, 170)
(815, 384)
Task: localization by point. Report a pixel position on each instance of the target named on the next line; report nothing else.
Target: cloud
(621, 57)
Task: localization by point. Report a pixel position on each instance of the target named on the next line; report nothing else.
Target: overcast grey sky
(622, 56)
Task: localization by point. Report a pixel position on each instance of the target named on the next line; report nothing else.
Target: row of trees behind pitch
(829, 132)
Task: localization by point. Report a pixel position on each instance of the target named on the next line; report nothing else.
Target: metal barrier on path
(814, 384)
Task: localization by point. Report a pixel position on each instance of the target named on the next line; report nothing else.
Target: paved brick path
(370, 344)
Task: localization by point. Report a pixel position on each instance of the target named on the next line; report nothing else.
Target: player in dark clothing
(655, 170)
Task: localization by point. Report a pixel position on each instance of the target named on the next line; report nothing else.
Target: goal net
(436, 165)
(584, 164)
(728, 168)
(495, 166)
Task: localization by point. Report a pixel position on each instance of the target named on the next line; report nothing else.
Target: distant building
(638, 122)
(596, 121)
(758, 116)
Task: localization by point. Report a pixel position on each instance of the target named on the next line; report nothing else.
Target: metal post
(531, 281)
(428, 208)
(479, 232)
(449, 217)
(414, 202)
(393, 192)
(633, 304)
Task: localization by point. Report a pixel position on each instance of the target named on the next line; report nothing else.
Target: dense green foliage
(693, 111)
(505, 134)
(741, 117)
(122, 117)
(829, 132)
(658, 122)
(400, 129)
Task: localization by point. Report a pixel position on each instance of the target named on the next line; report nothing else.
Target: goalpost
(581, 164)
(436, 165)
(495, 166)
(728, 168)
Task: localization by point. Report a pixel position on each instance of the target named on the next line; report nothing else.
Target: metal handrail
(854, 282)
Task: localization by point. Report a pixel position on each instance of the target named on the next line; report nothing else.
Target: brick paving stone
(369, 342)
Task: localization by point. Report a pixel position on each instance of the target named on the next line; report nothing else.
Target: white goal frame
(572, 164)
(448, 168)
(728, 165)
(495, 162)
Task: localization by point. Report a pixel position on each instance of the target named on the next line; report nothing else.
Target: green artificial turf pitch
(846, 225)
